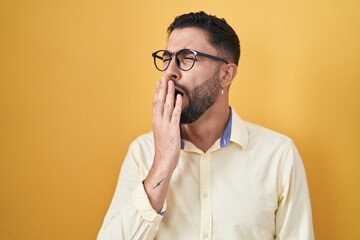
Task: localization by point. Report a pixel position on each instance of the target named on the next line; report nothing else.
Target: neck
(204, 132)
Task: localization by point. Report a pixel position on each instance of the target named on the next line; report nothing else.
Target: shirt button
(205, 235)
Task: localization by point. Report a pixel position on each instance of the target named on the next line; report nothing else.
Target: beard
(201, 98)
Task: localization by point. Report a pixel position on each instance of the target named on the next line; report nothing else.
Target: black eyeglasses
(184, 59)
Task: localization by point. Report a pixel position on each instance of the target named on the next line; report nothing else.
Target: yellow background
(77, 82)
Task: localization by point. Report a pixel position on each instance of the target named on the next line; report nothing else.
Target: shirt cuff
(143, 205)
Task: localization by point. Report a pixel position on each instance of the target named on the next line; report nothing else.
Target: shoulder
(265, 138)
(144, 142)
(249, 134)
(273, 147)
(146, 138)
(141, 153)
(255, 130)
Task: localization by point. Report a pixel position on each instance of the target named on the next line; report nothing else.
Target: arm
(130, 215)
(166, 122)
(134, 210)
(293, 216)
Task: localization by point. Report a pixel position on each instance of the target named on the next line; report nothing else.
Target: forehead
(189, 37)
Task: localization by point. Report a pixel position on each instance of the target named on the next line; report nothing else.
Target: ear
(228, 73)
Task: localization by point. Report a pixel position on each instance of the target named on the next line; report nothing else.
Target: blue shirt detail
(225, 139)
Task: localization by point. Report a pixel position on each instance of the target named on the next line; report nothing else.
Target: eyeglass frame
(177, 61)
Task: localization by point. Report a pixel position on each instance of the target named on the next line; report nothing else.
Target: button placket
(205, 197)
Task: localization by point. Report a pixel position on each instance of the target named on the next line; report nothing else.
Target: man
(203, 173)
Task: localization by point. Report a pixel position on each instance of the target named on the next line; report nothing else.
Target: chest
(213, 195)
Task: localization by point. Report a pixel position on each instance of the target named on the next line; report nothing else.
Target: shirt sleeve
(293, 216)
(130, 215)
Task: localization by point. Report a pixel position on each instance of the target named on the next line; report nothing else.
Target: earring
(222, 90)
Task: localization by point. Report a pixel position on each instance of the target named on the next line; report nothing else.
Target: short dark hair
(221, 35)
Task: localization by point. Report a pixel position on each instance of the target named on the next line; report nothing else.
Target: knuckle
(176, 113)
(167, 106)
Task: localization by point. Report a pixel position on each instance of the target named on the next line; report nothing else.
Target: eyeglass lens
(184, 59)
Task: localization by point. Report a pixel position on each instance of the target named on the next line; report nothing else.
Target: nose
(173, 71)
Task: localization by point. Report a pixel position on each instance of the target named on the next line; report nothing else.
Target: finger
(169, 102)
(160, 98)
(154, 101)
(157, 87)
(176, 114)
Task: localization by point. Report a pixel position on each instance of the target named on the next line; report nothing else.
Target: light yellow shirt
(251, 184)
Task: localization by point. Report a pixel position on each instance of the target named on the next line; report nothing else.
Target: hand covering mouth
(178, 91)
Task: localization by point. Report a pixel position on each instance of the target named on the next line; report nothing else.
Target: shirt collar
(225, 138)
(235, 131)
(239, 132)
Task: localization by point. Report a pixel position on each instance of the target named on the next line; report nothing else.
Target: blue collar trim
(225, 139)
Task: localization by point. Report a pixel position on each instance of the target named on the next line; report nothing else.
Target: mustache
(179, 86)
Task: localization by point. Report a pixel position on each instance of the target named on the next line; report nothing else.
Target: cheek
(187, 81)
(194, 77)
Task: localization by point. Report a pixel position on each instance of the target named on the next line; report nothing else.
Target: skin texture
(167, 129)
(200, 98)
